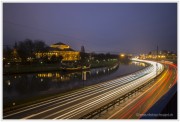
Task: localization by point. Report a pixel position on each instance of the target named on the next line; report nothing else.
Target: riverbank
(22, 83)
(31, 88)
(33, 68)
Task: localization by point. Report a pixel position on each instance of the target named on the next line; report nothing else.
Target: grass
(30, 68)
(17, 69)
(103, 63)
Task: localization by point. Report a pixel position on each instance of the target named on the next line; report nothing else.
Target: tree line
(25, 52)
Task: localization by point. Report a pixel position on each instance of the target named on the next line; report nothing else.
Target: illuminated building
(162, 54)
(60, 49)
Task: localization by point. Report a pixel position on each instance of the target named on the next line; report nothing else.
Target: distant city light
(9, 83)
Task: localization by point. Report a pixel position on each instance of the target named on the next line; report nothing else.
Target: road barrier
(118, 100)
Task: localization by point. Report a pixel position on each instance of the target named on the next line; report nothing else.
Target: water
(22, 86)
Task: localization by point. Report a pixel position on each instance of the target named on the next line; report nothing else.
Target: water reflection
(28, 85)
(83, 75)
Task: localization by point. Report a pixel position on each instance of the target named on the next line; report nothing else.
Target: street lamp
(122, 55)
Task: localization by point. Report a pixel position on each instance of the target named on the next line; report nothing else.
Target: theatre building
(60, 49)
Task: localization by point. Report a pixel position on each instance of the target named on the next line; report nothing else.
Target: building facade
(60, 49)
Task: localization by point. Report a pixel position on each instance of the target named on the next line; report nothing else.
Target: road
(139, 106)
(75, 104)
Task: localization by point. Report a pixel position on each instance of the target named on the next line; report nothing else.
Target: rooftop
(59, 43)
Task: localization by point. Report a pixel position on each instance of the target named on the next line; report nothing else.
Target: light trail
(149, 97)
(160, 89)
(86, 106)
(90, 98)
(79, 93)
(137, 98)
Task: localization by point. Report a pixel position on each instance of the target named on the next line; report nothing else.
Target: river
(23, 86)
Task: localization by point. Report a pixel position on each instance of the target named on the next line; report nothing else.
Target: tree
(28, 48)
(53, 59)
(60, 58)
(6, 55)
(40, 46)
(56, 59)
(7, 52)
(25, 49)
(44, 59)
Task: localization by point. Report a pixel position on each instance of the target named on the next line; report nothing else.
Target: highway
(76, 104)
(138, 107)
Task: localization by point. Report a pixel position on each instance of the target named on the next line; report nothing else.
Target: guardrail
(104, 95)
(117, 100)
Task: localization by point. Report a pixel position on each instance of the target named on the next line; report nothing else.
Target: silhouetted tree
(84, 58)
(56, 59)
(40, 46)
(7, 52)
(44, 59)
(28, 48)
(25, 49)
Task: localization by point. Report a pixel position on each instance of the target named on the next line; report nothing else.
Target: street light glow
(122, 55)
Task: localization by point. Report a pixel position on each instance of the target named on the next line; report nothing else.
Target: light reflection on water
(28, 85)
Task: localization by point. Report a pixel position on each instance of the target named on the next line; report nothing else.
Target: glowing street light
(122, 55)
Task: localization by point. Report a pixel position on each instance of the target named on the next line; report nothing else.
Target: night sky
(104, 27)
